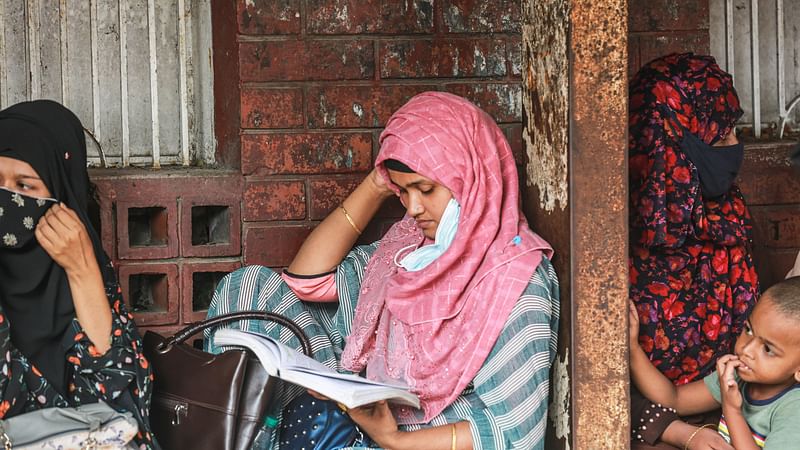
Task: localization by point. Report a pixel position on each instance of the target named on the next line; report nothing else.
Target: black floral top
(121, 377)
(692, 276)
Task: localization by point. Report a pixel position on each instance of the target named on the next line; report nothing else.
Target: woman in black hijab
(65, 335)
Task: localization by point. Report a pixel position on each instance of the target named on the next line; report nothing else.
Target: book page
(295, 367)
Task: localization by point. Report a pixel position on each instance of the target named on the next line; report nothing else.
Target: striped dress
(506, 404)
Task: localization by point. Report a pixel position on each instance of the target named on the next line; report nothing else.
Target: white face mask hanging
(445, 233)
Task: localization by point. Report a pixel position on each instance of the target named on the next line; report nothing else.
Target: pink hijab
(433, 329)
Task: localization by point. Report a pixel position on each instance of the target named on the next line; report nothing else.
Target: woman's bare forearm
(330, 241)
(91, 306)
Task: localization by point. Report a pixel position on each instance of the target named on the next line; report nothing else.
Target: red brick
(306, 60)
(654, 46)
(766, 177)
(166, 293)
(514, 47)
(780, 185)
(188, 287)
(772, 265)
(667, 15)
(369, 16)
(777, 226)
(328, 193)
(306, 153)
(269, 16)
(443, 58)
(274, 200)
(480, 16)
(225, 244)
(272, 108)
(502, 101)
(273, 245)
(357, 106)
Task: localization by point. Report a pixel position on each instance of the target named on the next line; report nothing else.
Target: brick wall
(660, 27)
(302, 91)
(319, 80)
(772, 190)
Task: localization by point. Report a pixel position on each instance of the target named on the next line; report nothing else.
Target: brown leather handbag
(206, 401)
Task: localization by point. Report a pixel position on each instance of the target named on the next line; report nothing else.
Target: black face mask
(19, 215)
(717, 167)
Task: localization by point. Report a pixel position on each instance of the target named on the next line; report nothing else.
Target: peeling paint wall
(560, 398)
(545, 98)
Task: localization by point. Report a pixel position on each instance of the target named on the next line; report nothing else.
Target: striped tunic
(505, 405)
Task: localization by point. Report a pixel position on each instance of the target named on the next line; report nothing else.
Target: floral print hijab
(692, 275)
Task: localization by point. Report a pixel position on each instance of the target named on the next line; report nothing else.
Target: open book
(290, 365)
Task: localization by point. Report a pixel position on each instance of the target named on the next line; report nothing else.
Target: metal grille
(136, 72)
(758, 41)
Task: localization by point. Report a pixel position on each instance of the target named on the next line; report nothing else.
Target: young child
(758, 386)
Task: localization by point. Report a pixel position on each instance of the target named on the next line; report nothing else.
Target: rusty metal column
(599, 199)
(575, 97)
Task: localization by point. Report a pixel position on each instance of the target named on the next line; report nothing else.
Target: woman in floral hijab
(692, 278)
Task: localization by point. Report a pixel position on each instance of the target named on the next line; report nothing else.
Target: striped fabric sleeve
(513, 383)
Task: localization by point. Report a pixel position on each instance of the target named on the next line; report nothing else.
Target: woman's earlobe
(797, 375)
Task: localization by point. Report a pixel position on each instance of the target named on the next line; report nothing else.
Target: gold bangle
(349, 219)
(453, 437)
(686, 445)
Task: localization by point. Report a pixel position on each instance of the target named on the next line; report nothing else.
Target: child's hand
(729, 389)
(633, 325)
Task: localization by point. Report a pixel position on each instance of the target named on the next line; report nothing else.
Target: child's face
(769, 347)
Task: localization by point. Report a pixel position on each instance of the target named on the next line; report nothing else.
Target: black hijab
(34, 290)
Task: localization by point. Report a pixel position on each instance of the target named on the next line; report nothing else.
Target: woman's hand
(729, 389)
(380, 184)
(377, 421)
(633, 325)
(63, 236)
(708, 439)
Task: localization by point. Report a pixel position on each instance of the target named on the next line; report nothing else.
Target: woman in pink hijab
(458, 300)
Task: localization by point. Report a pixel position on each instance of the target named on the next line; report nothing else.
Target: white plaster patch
(545, 81)
(358, 110)
(559, 407)
(480, 61)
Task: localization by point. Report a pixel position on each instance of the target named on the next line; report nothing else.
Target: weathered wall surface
(660, 27)
(771, 188)
(575, 100)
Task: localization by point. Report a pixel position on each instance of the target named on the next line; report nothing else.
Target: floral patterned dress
(691, 272)
(121, 377)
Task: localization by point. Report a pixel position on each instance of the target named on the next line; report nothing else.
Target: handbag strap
(196, 327)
